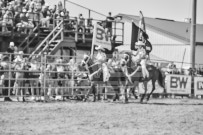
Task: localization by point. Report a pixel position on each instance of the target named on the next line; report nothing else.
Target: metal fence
(43, 77)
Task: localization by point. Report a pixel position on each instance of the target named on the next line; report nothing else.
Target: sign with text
(178, 84)
(100, 38)
(198, 86)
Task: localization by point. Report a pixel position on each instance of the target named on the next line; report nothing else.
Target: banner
(178, 84)
(198, 86)
(100, 38)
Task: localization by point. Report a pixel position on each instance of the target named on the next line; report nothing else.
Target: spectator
(45, 16)
(109, 20)
(81, 25)
(24, 22)
(60, 7)
(10, 50)
(7, 21)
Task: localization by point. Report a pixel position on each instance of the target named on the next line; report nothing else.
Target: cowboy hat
(20, 52)
(11, 44)
(99, 48)
(139, 43)
(59, 61)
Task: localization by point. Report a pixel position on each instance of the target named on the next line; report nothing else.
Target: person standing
(11, 50)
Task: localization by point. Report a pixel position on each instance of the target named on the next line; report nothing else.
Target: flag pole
(183, 59)
(93, 40)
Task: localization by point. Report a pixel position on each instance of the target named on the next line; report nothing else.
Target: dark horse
(116, 79)
(135, 76)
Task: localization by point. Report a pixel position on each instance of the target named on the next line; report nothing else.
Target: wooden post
(193, 41)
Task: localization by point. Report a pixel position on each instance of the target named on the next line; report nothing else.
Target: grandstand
(36, 27)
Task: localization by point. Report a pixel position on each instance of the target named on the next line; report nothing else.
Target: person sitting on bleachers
(81, 24)
(45, 16)
(7, 21)
(109, 20)
(22, 26)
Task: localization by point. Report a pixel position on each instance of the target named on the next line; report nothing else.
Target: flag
(142, 22)
(134, 36)
(142, 34)
(100, 38)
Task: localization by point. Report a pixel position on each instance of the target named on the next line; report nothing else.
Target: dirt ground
(158, 117)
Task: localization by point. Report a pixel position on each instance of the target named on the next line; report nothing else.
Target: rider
(114, 62)
(142, 58)
(101, 59)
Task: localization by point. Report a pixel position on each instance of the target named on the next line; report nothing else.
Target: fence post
(44, 80)
(72, 81)
(9, 77)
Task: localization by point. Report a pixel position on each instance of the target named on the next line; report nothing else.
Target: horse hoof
(125, 101)
(85, 99)
(23, 99)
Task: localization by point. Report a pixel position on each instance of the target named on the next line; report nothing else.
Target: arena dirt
(158, 117)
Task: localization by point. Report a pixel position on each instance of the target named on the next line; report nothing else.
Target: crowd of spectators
(26, 14)
(172, 69)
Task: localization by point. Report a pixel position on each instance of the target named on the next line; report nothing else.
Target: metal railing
(53, 35)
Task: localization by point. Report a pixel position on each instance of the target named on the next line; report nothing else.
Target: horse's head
(123, 62)
(126, 57)
(85, 60)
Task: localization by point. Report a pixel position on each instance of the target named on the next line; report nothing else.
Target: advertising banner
(198, 86)
(100, 38)
(178, 84)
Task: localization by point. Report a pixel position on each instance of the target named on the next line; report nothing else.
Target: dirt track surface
(158, 117)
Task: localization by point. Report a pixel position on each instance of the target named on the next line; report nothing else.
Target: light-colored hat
(99, 48)
(139, 43)
(62, 13)
(11, 44)
(20, 52)
(24, 10)
(59, 61)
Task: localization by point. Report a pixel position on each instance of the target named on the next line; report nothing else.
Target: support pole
(89, 13)
(193, 34)
(193, 41)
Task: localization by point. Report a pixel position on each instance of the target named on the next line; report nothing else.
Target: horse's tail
(160, 78)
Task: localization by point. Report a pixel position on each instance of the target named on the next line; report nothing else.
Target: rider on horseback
(114, 62)
(142, 58)
(101, 59)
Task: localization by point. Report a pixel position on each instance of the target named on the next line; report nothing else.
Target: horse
(135, 76)
(116, 79)
(82, 82)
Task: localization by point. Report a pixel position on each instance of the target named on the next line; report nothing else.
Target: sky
(169, 9)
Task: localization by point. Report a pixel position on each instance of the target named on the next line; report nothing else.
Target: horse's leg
(135, 86)
(88, 92)
(104, 91)
(116, 96)
(145, 91)
(133, 92)
(98, 91)
(153, 88)
(22, 90)
(94, 92)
